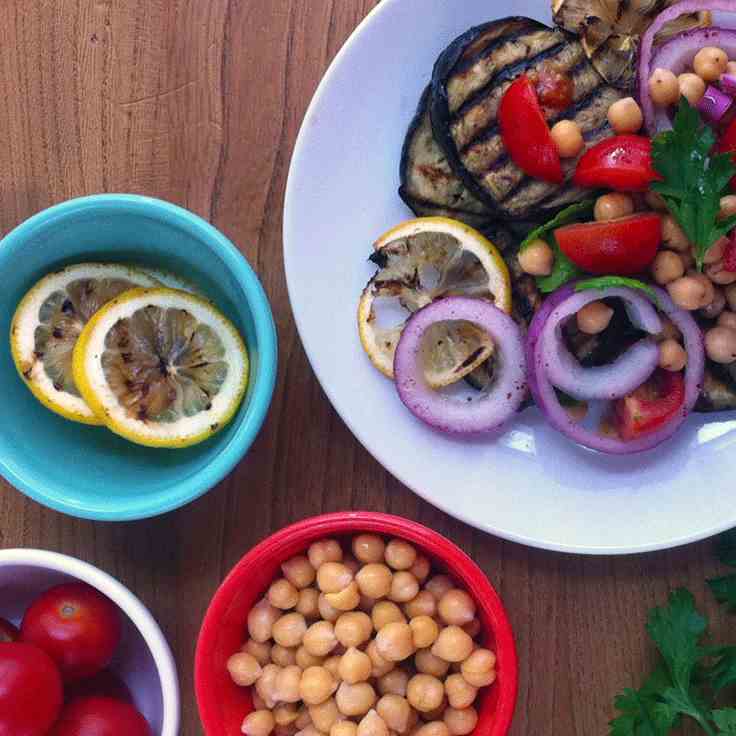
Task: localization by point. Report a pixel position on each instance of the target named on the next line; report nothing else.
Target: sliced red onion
(714, 104)
(450, 415)
(546, 398)
(682, 46)
(611, 381)
(728, 84)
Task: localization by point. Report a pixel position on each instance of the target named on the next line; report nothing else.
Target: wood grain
(199, 102)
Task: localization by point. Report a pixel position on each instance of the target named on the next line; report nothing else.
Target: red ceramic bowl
(223, 705)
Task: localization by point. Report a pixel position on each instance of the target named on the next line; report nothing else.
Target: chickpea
(479, 669)
(537, 258)
(425, 692)
(672, 356)
(433, 728)
(395, 712)
(424, 630)
(244, 669)
(353, 629)
(355, 666)
(282, 656)
(709, 63)
(718, 274)
(395, 641)
(687, 292)
(374, 580)
(303, 718)
(285, 730)
(429, 664)
(310, 730)
(421, 567)
(400, 555)
(731, 297)
(593, 318)
(386, 612)
(663, 88)
(372, 725)
(453, 645)
(369, 548)
(727, 319)
(287, 685)
(712, 310)
(472, 628)
(332, 577)
(346, 600)
(692, 87)
(456, 607)
(332, 665)
(285, 714)
(319, 639)
(266, 685)
(258, 723)
(460, 693)
(261, 620)
(355, 700)
(612, 206)
(720, 344)
(289, 630)
(316, 685)
(260, 650)
(655, 200)
(308, 603)
(667, 267)
(625, 116)
(404, 587)
(381, 666)
(461, 722)
(439, 585)
(258, 702)
(568, 138)
(326, 609)
(282, 594)
(324, 550)
(673, 235)
(394, 683)
(299, 571)
(423, 604)
(325, 715)
(728, 205)
(344, 728)
(304, 659)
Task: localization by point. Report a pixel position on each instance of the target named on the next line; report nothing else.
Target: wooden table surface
(199, 102)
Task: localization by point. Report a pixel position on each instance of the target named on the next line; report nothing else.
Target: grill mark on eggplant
(469, 62)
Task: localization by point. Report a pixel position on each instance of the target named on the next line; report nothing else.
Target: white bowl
(144, 660)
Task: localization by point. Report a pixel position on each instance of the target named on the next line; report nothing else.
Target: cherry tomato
(30, 690)
(554, 87)
(526, 134)
(622, 247)
(105, 683)
(622, 163)
(8, 632)
(77, 626)
(727, 144)
(97, 716)
(651, 406)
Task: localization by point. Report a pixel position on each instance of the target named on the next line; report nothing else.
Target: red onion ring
(647, 44)
(446, 414)
(544, 393)
(612, 381)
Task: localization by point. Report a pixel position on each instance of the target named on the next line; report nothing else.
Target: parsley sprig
(693, 178)
(692, 674)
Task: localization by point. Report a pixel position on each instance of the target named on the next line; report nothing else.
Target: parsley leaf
(563, 271)
(726, 548)
(694, 179)
(608, 282)
(723, 673)
(724, 589)
(642, 711)
(725, 719)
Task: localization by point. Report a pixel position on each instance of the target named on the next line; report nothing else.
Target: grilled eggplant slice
(469, 80)
(429, 186)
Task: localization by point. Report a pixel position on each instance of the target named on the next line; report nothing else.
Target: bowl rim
(133, 608)
(263, 378)
(345, 522)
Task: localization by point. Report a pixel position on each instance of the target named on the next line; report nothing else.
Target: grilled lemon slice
(161, 367)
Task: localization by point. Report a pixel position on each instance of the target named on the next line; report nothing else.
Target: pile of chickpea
(366, 644)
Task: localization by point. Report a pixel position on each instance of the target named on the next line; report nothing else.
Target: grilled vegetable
(469, 81)
(610, 31)
(429, 187)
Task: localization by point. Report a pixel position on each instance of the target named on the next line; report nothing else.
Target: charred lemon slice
(420, 261)
(161, 367)
(50, 318)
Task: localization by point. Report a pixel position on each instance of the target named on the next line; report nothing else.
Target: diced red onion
(728, 84)
(714, 104)
(680, 49)
(612, 381)
(442, 412)
(546, 398)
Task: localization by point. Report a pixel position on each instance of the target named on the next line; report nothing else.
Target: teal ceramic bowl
(88, 471)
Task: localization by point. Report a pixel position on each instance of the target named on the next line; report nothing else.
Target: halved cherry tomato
(8, 632)
(651, 406)
(622, 163)
(729, 255)
(555, 88)
(100, 717)
(727, 144)
(623, 247)
(526, 134)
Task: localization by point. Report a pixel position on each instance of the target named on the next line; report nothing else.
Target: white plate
(530, 485)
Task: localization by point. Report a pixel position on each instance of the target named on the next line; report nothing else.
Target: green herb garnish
(609, 282)
(574, 213)
(694, 179)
